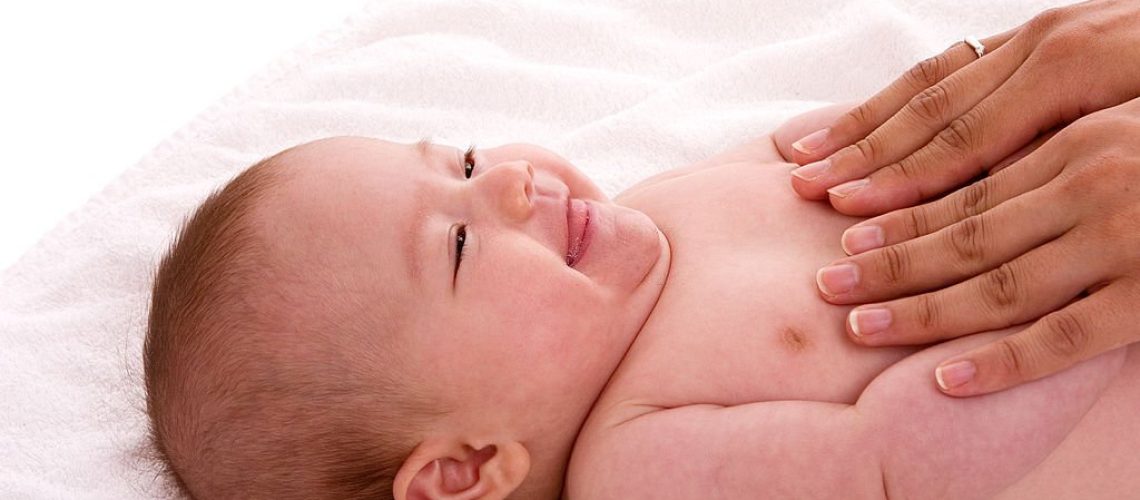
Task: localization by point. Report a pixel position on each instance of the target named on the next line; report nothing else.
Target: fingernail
(848, 188)
(812, 141)
(813, 170)
(954, 374)
(837, 279)
(859, 239)
(869, 321)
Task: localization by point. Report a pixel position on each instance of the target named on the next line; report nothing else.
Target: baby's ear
(453, 470)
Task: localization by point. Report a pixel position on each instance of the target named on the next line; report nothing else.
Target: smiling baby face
(439, 314)
(518, 284)
(474, 249)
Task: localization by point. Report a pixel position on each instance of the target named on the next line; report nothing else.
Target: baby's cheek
(554, 308)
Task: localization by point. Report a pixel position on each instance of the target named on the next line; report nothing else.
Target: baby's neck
(551, 483)
(545, 479)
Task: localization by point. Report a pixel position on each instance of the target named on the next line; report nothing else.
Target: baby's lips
(577, 215)
(566, 253)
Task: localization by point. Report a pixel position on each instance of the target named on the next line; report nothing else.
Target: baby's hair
(234, 416)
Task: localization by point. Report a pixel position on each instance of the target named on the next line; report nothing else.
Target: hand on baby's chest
(739, 322)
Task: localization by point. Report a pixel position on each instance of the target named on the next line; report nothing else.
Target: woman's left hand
(951, 116)
(1054, 237)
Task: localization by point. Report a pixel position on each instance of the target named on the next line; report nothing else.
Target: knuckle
(1000, 287)
(967, 239)
(1072, 137)
(974, 199)
(1063, 43)
(927, 311)
(869, 148)
(916, 222)
(1045, 21)
(1071, 186)
(913, 173)
(931, 105)
(1065, 336)
(960, 136)
(1011, 357)
(862, 115)
(1084, 180)
(903, 169)
(928, 71)
(1087, 130)
(894, 264)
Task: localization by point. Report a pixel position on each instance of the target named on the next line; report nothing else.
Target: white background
(88, 88)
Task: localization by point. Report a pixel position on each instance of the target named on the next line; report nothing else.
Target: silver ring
(972, 41)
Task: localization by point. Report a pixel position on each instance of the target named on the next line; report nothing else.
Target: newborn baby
(354, 318)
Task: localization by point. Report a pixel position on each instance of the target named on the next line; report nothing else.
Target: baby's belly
(740, 320)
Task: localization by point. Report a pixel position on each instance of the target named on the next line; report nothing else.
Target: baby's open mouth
(577, 219)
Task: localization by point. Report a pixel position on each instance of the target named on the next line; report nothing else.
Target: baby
(353, 318)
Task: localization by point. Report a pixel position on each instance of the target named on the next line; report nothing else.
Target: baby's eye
(469, 162)
(460, 240)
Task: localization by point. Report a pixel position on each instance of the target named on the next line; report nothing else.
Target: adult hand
(1053, 236)
(953, 115)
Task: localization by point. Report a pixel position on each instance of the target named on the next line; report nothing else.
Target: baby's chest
(739, 320)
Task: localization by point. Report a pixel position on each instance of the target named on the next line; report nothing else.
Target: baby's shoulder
(760, 150)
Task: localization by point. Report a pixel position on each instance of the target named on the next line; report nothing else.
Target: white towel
(622, 88)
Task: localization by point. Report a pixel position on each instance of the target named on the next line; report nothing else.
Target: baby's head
(313, 333)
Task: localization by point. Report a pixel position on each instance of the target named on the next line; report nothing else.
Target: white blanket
(622, 88)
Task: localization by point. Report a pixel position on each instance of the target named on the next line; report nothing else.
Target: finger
(861, 120)
(805, 123)
(1034, 171)
(1080, 331)
(962, 250)
(1013, 293)
(1006, 120)
(1023, 152)
(868, 148)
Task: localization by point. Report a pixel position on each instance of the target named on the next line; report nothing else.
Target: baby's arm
(902, 439)
(761, 150)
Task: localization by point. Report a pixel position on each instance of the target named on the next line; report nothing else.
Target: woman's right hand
(1049, 240)
(954, 115)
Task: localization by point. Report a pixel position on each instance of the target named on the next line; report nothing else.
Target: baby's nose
(516, 181)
